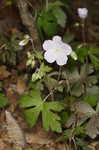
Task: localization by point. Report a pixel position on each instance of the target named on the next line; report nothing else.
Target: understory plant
(64, 87)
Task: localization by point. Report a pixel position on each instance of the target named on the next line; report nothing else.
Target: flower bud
(82, 12)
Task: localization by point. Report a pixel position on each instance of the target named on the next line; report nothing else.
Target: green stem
(83, 32)
(46, 5)
(59, 74)
(84, 42)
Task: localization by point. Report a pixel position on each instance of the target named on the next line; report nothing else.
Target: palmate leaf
(92, 128)
(83, 110)
(31, 100)
(83, 107)
(47, 109)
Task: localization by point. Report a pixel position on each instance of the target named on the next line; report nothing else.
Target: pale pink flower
(56, 50)
(82, 12)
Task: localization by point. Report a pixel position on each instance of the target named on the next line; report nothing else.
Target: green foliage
(3, 100)
(76, 85)
(82, 144)
(60, 16)
(47, 23)
(82, 53)
(51, 19)
(92, 99)
(10, 48)
(68, 37)
(42, 71)
(47, 109)
(95, 61)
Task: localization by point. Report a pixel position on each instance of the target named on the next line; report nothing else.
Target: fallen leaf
(35, 139)
(21, 85)
(4, 73)
(14, 132)
(2, 145)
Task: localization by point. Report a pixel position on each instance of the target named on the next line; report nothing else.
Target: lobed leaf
(51, 120)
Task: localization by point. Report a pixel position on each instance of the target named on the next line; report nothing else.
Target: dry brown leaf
(21, 85)
(14, 132)
(61, 147)
(3, 72)
(94, 145)
(35, 139)
(2, 145)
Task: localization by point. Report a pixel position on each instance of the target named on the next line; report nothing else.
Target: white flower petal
(61, 60)
(47, 45)
(57, 38)
(82, 12)
(66, 48)
(56, 50)
(50, 56)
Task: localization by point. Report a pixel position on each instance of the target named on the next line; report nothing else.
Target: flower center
(57, 49)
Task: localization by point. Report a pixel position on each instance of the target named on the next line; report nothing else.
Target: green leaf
(92, 96)
(60, 16)
(82, 52)
(73, 76)
(95, 61)
(83, 108)
(68, 134)
(50, 26)
(92, 128)
(82, 144)
(50, 119)
(38, 55)
(64, 117)
(41, 72)
(80, 131)
(77, 89)
(92, 90)
(92, 99)
(55, 5)
(45, 68)
(50, 82)
(3, 101)
(47, 23)
(32, 115)
(92, 80)
(32, 99)
(94, 50)
(47, 109)
(68, 37)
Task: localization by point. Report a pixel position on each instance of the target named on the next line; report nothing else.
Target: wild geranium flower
(56, 50)
(82, 13)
